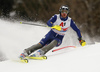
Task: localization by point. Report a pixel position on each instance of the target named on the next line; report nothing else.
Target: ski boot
(23, 57)
(39, 55)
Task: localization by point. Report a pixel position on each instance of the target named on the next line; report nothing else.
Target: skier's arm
(74, 27)
(52, 20)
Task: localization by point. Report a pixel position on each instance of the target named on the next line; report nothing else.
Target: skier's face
(64, 13)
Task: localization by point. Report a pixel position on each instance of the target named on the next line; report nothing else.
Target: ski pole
(57, 27)
(33, 24)
(63, 48)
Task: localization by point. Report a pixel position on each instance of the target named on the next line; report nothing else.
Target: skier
(54, 37)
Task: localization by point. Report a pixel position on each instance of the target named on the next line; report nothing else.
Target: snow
(15, 37)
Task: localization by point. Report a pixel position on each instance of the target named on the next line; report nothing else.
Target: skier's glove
(82, 42)
(57, 27)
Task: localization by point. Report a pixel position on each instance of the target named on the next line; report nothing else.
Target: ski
(37, 58)
(26, 59)
(20, 60)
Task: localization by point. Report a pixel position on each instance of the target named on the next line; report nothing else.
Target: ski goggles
(64, 11)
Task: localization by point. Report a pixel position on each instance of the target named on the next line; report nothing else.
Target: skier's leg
(45, 49)
(31, 49)
(42, 43)
(56, 42)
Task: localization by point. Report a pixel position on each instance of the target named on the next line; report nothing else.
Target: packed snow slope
(14, 37)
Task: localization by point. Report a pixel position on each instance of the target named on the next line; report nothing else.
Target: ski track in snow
(15, 37)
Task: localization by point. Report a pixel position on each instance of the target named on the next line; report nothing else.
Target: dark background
(86, 13)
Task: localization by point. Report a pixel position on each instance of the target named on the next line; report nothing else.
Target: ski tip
(24, 60)
(45, 57)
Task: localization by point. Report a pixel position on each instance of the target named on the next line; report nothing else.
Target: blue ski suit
(53, 34)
